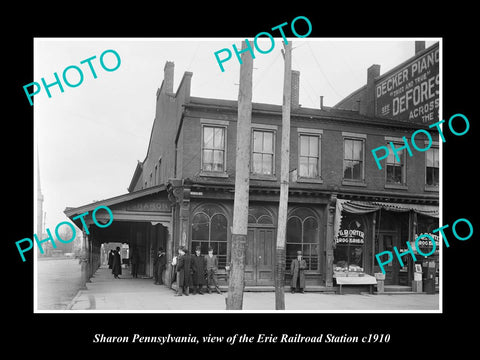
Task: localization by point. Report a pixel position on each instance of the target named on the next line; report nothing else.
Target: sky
(90, 137)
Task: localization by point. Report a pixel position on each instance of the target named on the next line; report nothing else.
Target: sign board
(350, 236)
(411, 92)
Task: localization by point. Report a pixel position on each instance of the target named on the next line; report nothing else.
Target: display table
(354, 279)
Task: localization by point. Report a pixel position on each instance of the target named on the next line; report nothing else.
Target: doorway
(260, 256)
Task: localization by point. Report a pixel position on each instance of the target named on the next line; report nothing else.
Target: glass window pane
(312, 167)
(348, 169)
(348, 149)
(208, 137)
(357, 170)
(268, 142)
(257, 141)
(358, 150)
(303, 145)
(207, 160)
(310, 233)
(219, 228)
(267, 164)
(303, 166)
(294, 230)
(265, 219)
(436, 176)
(200, 227)
(257, 163)
(219, 138)
(313, 148)
(217, 160)
(436, 158)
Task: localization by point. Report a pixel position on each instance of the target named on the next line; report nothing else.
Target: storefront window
(302, 235)
(349, 246)
(209, 228)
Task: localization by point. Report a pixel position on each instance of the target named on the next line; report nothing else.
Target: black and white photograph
(220, 181)
(190, 196)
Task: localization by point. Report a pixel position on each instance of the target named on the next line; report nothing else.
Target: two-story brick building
(342, 208)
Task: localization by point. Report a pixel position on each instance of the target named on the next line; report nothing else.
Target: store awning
(364, 207)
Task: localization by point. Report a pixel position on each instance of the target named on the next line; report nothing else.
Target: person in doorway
(297, 270)
(198, 271)
(211, 264)
(117, 264)
(159, 265)
(110, 258)
(183, 272)
(134, 263)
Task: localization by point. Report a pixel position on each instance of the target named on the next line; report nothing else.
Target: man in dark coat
(198, 271)
(117, 264)
(110, 258)
(184, 275)
(159, 265)
(134, 263)
(297, 269)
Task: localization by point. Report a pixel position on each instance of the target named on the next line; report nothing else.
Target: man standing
(159, 265)
(297, 269)
(198, 270)
(211, 263)
(183, 272)
(117, 264)
(133, 263)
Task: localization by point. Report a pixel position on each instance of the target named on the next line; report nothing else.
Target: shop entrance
(394, 273)
(259, 256)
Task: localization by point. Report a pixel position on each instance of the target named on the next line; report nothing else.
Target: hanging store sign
(350, 237)
(411, 93)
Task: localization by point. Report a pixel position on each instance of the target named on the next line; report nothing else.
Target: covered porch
(141, 219)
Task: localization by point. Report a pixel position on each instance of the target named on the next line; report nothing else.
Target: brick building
(342, 208)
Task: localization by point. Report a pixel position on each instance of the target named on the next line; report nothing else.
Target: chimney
(419, 46)
(321, 102)
(367, 103)
(168, 72)
(295, 89)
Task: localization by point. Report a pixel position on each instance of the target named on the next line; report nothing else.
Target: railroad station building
(342, 209)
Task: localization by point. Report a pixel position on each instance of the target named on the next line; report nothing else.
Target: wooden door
(259, 256)
(387, 242)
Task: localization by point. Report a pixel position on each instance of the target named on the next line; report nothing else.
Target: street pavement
(58, 281)
(106, 294)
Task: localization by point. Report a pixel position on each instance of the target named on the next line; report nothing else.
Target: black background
(420, 333)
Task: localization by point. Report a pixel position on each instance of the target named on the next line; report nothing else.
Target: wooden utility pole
(284, 182)
(242, 184)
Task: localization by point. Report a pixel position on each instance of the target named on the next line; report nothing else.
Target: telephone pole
(284, 181)
(242, 184)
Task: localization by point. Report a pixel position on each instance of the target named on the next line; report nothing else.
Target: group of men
(195, 271)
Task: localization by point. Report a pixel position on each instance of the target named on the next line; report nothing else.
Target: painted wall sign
(412, 92)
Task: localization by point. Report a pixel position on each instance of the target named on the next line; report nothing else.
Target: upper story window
(432, 166)
(395, 167)
(353, 159)
(213, 148)
(263, 152)
(309, 155)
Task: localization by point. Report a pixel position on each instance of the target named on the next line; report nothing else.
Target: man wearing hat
(183, 272)
(297, 269)
(211, 263)
(198, 271)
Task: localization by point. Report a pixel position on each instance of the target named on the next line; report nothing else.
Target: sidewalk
(105, 293)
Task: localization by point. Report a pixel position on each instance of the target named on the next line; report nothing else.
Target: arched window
(303, 235)
(209, 228)
(259, 216)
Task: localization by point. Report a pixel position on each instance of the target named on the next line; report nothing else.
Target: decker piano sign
(411, 92)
